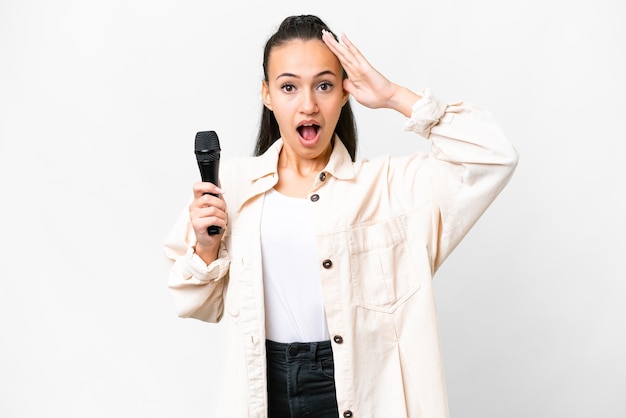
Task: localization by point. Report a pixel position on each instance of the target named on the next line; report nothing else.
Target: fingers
(202, 188)
(207, 209)
(349, 55)
(348, 43)
(333, 45)
(330, 41)
(341, 51)
(208, 201)
(351, 52)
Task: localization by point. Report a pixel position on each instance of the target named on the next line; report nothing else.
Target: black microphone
(208, 157)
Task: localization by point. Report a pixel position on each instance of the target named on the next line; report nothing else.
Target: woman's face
(304, 90)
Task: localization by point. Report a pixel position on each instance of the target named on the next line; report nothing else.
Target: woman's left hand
(369, 87)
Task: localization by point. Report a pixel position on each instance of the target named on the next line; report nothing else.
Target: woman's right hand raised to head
(207, 209)
(369, 87)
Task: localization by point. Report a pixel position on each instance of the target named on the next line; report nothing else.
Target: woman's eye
(288, 88)
(325, 86)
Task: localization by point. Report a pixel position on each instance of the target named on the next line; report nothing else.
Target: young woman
(323, 272)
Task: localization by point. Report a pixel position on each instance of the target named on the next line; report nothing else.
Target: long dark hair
(304, 27)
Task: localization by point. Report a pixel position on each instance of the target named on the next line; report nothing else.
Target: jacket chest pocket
(382, 268)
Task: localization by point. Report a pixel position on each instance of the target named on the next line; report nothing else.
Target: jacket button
(339, 340)
(322, 176)
(347, 414)
(315, 197)
(327, 264)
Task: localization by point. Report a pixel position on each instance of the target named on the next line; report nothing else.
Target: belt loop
(314, 351)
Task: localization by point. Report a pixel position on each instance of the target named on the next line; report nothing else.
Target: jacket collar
(266, 165)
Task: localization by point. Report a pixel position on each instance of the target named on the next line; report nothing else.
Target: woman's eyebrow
(323, 73)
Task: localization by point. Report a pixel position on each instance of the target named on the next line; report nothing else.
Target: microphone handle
(209, 172)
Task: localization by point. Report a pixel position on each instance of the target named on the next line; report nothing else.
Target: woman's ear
(265, 95)
(345, 97)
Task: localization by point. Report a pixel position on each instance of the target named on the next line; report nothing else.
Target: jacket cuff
(193, 267)
(425, 114)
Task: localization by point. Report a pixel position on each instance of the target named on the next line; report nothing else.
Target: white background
(99, 106)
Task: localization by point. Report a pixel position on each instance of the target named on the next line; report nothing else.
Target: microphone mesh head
(207, 141)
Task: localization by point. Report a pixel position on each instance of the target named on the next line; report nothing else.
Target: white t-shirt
(294, 308)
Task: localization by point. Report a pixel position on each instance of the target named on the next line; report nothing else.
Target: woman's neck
(297, 175)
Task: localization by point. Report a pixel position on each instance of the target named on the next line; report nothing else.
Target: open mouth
(308, 131)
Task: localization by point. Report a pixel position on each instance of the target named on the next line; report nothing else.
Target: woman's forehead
(302, 58)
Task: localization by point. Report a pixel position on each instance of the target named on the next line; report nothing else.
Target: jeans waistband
(299, 351)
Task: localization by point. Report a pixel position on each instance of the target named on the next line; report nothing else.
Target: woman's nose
(308, 104)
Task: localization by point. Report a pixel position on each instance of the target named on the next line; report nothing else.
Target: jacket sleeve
(471, 161)
(196, 288)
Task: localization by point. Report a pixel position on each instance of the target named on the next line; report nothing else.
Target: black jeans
(300, 380)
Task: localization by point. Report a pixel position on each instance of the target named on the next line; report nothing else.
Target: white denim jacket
(382, 227)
